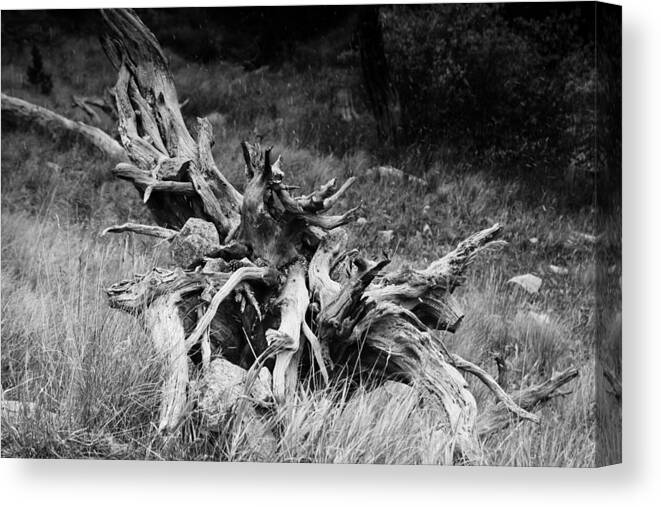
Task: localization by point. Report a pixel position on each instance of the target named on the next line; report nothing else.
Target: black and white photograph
(322, 234)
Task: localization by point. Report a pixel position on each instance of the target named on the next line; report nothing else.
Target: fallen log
(21, 112)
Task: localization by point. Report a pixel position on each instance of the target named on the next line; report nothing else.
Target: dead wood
(87, 105)
(265, 275)
(494, 387)
(497, 417)
(167, 333)
(293, 303)
(21, 112)
(148, 230)
(153, 132)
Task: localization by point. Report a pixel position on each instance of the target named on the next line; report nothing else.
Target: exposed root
(266, 275)
(493, 386)
(293, 302)
(205, 343)
(167, 333)
(316, 350)
(498, 416)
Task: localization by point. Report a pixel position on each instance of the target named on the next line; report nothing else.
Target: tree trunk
(19, 112)
(381, 94)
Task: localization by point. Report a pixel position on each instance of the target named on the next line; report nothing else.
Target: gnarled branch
(498, 416)
(147, 230)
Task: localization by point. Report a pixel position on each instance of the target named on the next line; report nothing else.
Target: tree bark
(382, 95)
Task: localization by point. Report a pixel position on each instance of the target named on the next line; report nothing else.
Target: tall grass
(93, 373)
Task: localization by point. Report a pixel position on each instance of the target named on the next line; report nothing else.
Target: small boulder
(224, 384)
(196, 239)
(529, 282)
(222, 387)
(385, 237)
(558, 270)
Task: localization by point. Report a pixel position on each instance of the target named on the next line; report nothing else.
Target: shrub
(515, 89)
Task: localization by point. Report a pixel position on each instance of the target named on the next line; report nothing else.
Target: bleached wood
(167, 334)
(493, 386)
(316, 349)
(153, 131)
(265, 275)
(147, 184)
(497, 416)
(147, 230)
(293, 303)
(322, 286)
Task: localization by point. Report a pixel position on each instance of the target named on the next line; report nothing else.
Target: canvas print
(316, 234)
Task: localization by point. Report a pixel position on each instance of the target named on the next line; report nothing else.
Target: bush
(516, 89)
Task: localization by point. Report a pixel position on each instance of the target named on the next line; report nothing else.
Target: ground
(92, 367)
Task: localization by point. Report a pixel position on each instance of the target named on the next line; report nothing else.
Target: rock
(216, 266)
(577, 239)
(529, 282)
(589, 274)
(56, 168)
(361, 221)
(394, 175)
(584, 237)
(222, 387)
(224, 384)
(534, 241)
(385, 237)
(558, 270)
(196, 239)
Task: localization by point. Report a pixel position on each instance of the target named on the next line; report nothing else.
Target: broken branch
(147, 230)
(493, 386)
(265, 275)
(498, 416)
(22, 112)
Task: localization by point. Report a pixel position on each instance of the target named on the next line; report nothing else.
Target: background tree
(382, 96)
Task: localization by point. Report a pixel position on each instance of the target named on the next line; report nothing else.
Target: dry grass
(94, 376)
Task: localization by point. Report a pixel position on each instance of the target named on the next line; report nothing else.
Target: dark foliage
(511, 88)
(252, 36)
(517, 90)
